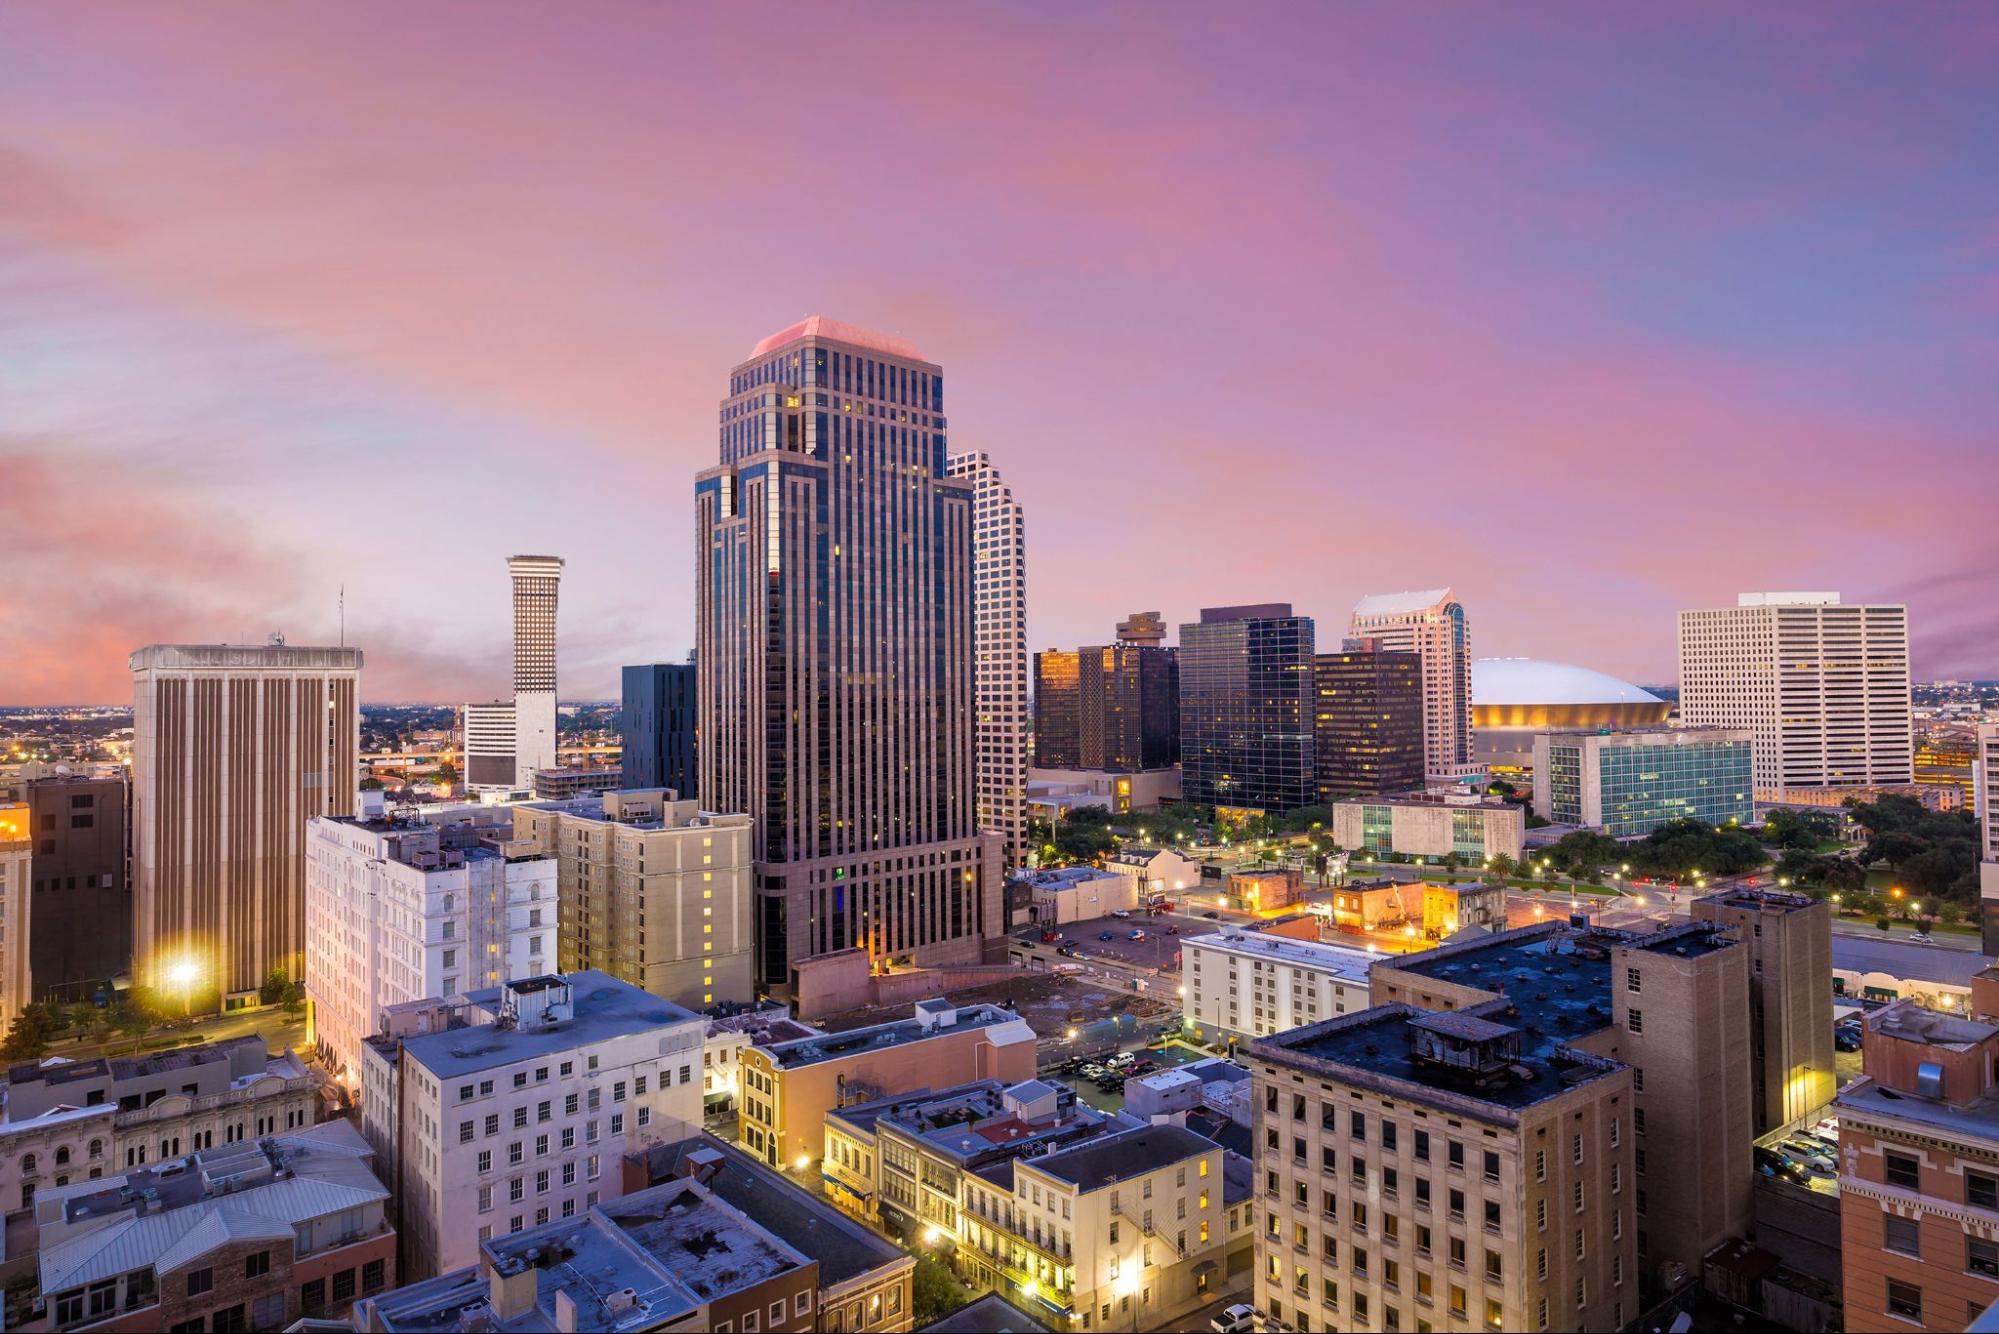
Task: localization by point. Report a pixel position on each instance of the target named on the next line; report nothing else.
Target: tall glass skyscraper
(1432, 625)
(1368, 721)
(1246, 693)
(835, 641)
(656, 727)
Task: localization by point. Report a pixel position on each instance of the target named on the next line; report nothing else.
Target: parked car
(1050, 937)
(1136, 935)
(1105, 935)
(1120, 912)
(1140, 1066)
(1111, 1084)
(1846, 1037)
(1237, 1319)
(1212, 916)
(1920, 938)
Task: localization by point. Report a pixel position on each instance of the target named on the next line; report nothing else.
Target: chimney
(703, 1165)
(510, 1286)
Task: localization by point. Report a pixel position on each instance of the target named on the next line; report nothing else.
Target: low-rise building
(1449, 909)
(1432, 825)
(1919, 1172)
(1245, 984)
(655, 891)
(1053, 793)
(1079, 894)
(1629, 782)
(671, 1257)
(1113, 1234)
(1374, 907)
(1157, 870)
(504, 1116)
(567, 784)
(727, 1037)
(71, 1121)
(246, 1236)
(1266, 888)
(412, 907)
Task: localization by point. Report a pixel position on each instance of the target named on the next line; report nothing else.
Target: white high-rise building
(999, 645)
(416, 907)
(488, 748)
(536, 582)
(1823, 687)
(1431, 624)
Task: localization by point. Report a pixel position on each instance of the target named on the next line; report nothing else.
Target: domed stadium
(1513, 698)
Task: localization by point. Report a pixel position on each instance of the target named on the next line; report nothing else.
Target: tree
(294, 1001)
(447, 772)
(132, 1022)
(1504, 866)
(1883, 923)
(934, 1291)
(276, 983)
(371, 785)
(28, 1038)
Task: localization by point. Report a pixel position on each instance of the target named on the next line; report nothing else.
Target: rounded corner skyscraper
(835, 636)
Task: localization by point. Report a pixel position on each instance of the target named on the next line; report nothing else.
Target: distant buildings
(1986, 808)
(1432, 625)
(1157, 870)
(655, 892)
(82, 935)
(1790, 1004)
(656, 724)
(234, 750)
(1628, 783)
(788, 1087)
(1919, 1172)
(405, 909)
(999, 646)
(1079, 894)
(1367, 721)
(1432, 825)
(1823, 686)
(835, 582)
(1053, 793)
(1249, 984)
(1246, 716)
(536, 580)
(513, 1110)
(567, 784)
(16, 909)
(1109, 708)
(1514, 700)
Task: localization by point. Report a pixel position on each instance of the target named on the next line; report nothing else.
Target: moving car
(1237, 1319)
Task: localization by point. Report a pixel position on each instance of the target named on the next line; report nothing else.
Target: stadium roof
(1506, 681)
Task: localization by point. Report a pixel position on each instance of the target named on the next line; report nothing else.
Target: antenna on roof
(343, 616)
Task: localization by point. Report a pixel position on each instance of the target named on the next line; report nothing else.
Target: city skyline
(248, 315)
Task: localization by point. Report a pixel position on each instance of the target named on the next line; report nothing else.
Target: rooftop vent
(1929, 1080)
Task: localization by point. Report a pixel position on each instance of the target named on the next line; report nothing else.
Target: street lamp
(183, 974)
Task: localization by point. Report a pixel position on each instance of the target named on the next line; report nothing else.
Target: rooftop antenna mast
(343, 616)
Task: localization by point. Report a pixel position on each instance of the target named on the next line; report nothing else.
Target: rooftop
(1462, 798)
(601, 1008)
(1006, 1025)
(1070, 877)
(974, 1120)
(1400, 604)
(1118, 1157)
(1530, 681)
(990, 1314)
(1763, 900)
(58, 1072)
(839, 331)
(1977, 1119)
(1342, 961)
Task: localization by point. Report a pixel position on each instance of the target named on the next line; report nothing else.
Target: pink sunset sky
(1591, 312)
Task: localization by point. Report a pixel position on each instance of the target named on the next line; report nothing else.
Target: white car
(1235, 1319)
(1120, 912)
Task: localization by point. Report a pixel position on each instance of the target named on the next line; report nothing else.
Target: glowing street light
(184, 973)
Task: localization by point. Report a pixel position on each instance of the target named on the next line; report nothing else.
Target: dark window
(257, 1264)
(200, 1281)
(1905, 1300)
(312, 1296)
(343, 1286)
(1981, 1190)
(232, 1320)
(1902, 1170)
(373, 1275)
(1423, 1145)
(1981, 1257)
(1456, 1155)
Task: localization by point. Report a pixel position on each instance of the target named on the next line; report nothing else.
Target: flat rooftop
(978, 1118)
(1342, 961)
(1978, 1119)
(1762, 900)
(1118, 1157)
(1069, 877)
(879, 1037)
(601, 1008)
(1452, 800)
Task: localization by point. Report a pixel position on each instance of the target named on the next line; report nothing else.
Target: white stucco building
(1247, 984)
(1431, 624)
(412, 908)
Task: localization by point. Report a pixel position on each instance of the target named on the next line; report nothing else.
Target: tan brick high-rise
(234, 749)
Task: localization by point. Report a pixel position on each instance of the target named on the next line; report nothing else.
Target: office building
(656, 725)
(1432, 825)
(234, 750)
(999, 650)
(1142, 629)
(1053, 793)
(71, 1121)
(1249, 984)
(252, 1235)
(1985, 807)
(518, 1105)
(1058, 709)
(1432, 625)
(655, 892)
(536, 581)
(671, 1257)
(789, 1087)
(835, 638)
(82, 908)
(1673, 1005)
(1919, 1172)
(1367, 721)
(1462, 1169)
(1111, 1234)
(419, 906)
(17, 852)
(1789, 937)
(1109, 708)
(1514, 700)
(487, 745)
(1946, 758)
(1822, 686)
(865, 1282)
(1628, 783)
(1246, 715)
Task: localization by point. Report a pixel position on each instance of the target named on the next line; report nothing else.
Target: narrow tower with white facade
(1432, 625)
(999, 645)
(536, 581)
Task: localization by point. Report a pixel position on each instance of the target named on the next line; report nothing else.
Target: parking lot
(1160, 950)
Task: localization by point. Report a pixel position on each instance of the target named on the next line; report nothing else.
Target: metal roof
(1530, 681)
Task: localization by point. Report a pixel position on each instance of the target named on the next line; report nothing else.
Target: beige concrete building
(1248, 984)
(537, 581)
(787, 1088)
(17, 850)
(1113, 1234)
(1432, 825)
(999, 648)
(1985, 803)
(1432, 625)
(1674, 1006)
(1444, 1170)
(656, 892)
(1919, 1172)
(1790, 1002)
(835, 586)
(1822, 686)
(234, 750)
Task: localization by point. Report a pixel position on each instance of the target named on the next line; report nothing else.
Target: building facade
(656, 724)
(1432, 625)
(519, 1105)
(1367, 722)
(234, 750)
(1432, 825)
(999, 648)
(486, 741)
(17, 854)
(1109, 708)
(1789, 937)
(1514, 700)
(1985, 807)
(655, 892)
(82, 907)
(406, 909)
(835, 636)
(1629, 783)
(1246, 716)
(536, 582)
(1822, 686)
(1245, 984)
